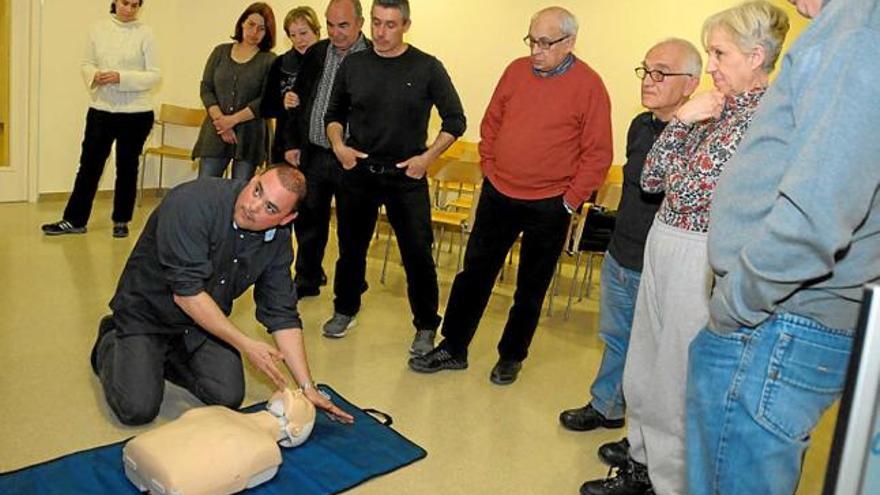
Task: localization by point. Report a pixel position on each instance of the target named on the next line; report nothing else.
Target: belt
(379, 168)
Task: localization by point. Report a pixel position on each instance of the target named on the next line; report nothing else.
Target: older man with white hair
(669, 73)
(546, 146)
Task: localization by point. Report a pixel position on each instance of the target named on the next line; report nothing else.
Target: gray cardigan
(795, 225)
(233, 86)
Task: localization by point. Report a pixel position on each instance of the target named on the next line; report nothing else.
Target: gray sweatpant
(672, 307)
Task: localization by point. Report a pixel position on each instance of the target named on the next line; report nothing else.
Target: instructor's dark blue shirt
(189, 245)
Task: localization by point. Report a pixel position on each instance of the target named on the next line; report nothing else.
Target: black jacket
(311, 69)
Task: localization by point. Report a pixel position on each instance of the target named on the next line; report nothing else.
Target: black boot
(631, 479)
(614, 454)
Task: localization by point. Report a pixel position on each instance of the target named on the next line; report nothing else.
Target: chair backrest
(462, 172)
(609, 193)
(464, 150)
(182, 116)
(454, 178)
(615, 174)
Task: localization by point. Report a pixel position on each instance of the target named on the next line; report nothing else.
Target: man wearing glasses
(546, 146)
(670, 74)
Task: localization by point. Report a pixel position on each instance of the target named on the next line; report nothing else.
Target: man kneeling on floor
(204, 245)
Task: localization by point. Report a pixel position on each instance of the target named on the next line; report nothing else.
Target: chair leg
(387, 253)
(573, 285)
(554, 285)
(439, 244)
(161, 169)
(460, 250)
(590, 273)
(143, 172)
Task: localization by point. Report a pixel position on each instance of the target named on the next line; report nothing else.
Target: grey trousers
(672, 307)
(133, 369)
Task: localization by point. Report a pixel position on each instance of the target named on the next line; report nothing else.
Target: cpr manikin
(215, 450)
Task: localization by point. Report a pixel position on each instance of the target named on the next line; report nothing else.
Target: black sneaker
(105, 326)
(630, 479)
(120, 230)
(505, 372)
(436, 360)
(614, 454)
(61, 228)
(587, 418)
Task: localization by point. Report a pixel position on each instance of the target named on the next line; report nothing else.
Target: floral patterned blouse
(687, 160)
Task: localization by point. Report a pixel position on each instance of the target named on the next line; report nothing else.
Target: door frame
(18, 181)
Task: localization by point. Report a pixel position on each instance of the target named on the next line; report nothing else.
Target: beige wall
(475, 39)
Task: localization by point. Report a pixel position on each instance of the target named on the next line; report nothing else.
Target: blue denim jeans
(214, 167)
(619, 287)
(753, 397)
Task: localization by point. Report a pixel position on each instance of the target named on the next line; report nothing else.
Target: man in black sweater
(670, 73)
(306, 141)
(384, 96)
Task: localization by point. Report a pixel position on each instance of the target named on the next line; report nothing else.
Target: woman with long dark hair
(232, 92)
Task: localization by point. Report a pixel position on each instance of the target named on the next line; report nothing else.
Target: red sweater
(546, 136)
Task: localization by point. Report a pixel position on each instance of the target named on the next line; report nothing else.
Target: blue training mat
(335, 458)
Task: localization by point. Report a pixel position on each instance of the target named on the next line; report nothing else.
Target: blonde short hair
(751, 24)
(305, 14)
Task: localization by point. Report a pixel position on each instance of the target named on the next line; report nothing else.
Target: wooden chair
(596, 242)
(464, 178)
(454, 181)
(171, 115)
(467, 176)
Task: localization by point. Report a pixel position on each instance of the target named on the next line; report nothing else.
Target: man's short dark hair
(401, 5)
(292, 180)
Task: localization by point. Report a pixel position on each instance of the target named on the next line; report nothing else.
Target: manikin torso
(215, 450)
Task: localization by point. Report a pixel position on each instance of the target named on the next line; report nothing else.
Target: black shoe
(586, 418)
(505, 372)
(631, 479)
(614, 454)
(104, 327)
(120, 230)
(436, 360)
(61, 228)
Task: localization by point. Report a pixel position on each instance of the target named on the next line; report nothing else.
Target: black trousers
(130, 131)
(133, 368)
(499, 221)
(312, 225)
(408, 206)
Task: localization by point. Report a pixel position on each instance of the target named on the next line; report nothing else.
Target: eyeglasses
(657, 75)
(542, 43)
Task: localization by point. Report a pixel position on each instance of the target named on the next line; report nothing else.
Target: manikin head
(296, 416)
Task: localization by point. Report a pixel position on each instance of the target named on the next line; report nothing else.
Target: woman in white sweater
(120, 70)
